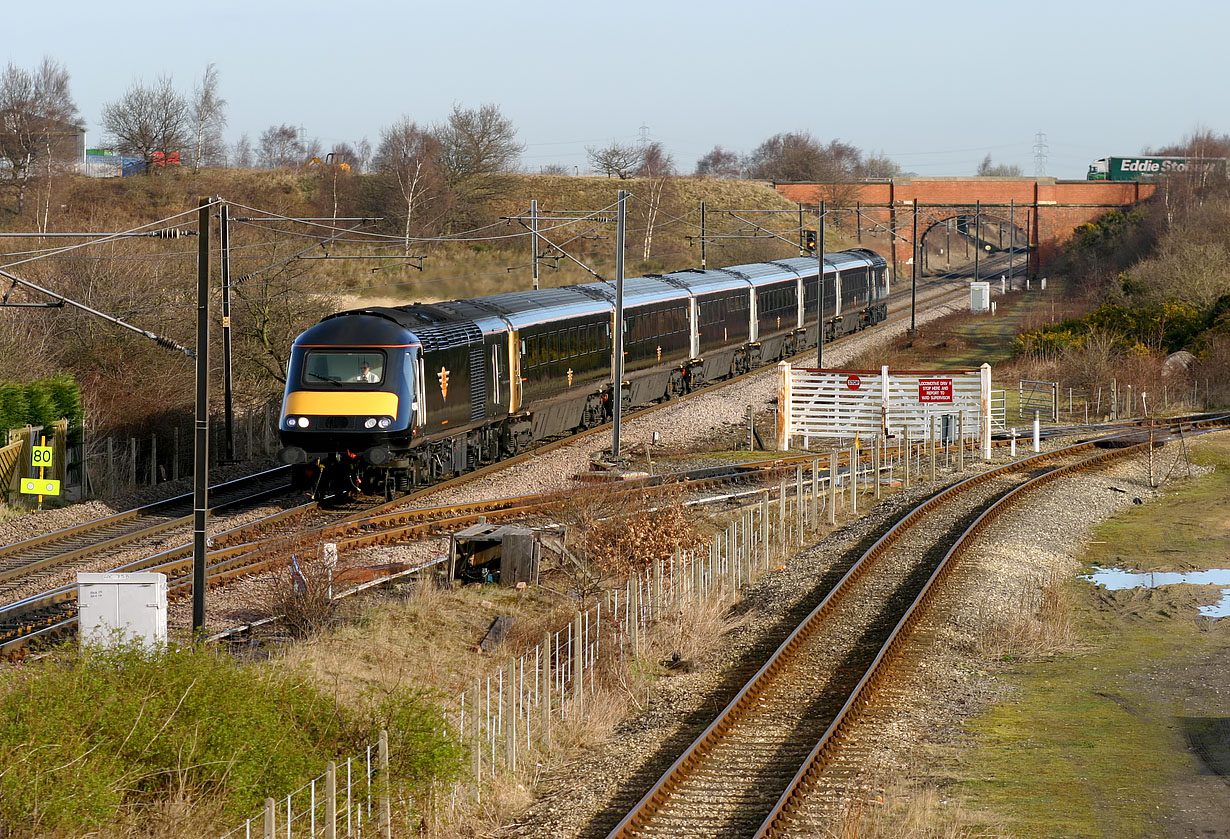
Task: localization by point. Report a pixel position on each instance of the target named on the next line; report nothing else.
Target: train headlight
(370, 422)
(303, 422)
(385, 422)
(291, 422)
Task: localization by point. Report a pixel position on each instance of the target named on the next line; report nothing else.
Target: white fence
(506, 721)
(847, 404)
(348, 800)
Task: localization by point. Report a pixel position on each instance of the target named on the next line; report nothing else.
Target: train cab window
(336, 368)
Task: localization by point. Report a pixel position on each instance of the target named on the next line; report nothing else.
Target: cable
(115, 236)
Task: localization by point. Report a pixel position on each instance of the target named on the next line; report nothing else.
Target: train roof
(767, 273)
(526, 308)
(706, 281)
(638, 291)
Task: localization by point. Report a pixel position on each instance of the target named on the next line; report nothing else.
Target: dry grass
(1038, 624)
(904, 810)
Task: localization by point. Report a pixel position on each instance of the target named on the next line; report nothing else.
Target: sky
(935, 86)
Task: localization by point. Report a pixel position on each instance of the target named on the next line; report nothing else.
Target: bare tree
(363, 155)
(477, 143)
(279, 146)
(209, 118)
(719, 163)
(878, 165)
(407, 161)
(477, 148)
(242, 156)
(792, 157)
(657, 166)
(148, 121)
(986, 169)
(616, 160)
(36, 111)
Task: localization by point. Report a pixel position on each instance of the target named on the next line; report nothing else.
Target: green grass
(1089, 746)
(1195, 529)
(96, 740)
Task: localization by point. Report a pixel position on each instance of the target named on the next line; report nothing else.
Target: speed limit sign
(41, 456)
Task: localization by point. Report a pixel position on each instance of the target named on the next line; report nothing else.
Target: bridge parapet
(1046, 209)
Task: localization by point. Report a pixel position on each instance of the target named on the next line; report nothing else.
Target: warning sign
(935, 390)
(854, 382)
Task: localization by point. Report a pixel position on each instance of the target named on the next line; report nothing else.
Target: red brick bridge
(1038, 214)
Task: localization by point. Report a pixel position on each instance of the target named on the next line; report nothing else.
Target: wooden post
(854, 480)
(153, 460)
(132, 462)
(476, 740)
(815, 492)
(781, 517)
(960, 441)
(386, 813)
(905, 460)
(832, 499)
(578, 663)
(175, 457)
(931, 443)
(271, 819)
(330, 800)
(545, 698)
(875, 465)
(510, 730)
(765, 554)
(632, 616)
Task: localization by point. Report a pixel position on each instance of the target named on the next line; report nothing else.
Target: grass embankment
(1093, 744)
(187, 742)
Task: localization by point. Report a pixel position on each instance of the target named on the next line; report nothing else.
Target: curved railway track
(747, 773)
(22, 561)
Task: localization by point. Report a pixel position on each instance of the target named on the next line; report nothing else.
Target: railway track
(258, 546)
(749, 771)
(24, 562)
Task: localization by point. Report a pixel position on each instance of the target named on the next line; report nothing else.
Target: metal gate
(1039, 397)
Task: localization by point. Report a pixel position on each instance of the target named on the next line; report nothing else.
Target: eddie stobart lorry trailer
(1147, 167)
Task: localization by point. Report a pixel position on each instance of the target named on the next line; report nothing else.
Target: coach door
(498, 371)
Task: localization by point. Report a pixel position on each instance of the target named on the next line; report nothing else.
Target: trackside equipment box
(122, 608)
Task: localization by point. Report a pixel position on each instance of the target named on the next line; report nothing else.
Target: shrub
(91, 738)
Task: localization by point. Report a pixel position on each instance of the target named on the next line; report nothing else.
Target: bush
(40, 402)
(90, 738)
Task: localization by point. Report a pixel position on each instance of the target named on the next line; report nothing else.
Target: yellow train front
(350, 403)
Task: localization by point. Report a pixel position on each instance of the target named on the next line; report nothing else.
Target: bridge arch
(1053, 208)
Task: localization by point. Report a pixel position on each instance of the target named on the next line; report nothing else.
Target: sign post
(42, 457)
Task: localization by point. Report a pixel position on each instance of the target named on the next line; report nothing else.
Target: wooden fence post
(271, 821)
(545, 699)
(331, 800)
(578, 663)
(386, 813)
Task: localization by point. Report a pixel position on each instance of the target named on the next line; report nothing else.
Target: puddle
(1117, 578)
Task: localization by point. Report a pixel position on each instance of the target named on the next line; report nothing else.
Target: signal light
(809, 240)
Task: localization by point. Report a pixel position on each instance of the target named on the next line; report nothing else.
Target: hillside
(285, 276)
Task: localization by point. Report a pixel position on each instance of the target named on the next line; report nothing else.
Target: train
(385, 399)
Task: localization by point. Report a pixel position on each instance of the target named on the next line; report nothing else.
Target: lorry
(1145, 168)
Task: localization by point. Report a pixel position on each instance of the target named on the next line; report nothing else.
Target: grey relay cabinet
(122, 608)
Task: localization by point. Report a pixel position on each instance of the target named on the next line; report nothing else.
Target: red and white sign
(935, 390)
(854, 382)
